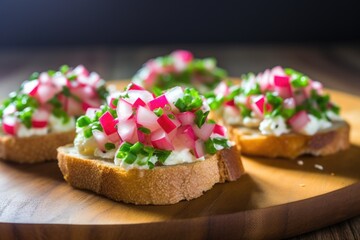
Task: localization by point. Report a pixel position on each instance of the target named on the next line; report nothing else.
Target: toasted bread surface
(159, 186)
(325, 142)
(33, 149)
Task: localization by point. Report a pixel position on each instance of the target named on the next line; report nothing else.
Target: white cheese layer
(314, 125)
(23, 131)
(57, 125)
(273, 126)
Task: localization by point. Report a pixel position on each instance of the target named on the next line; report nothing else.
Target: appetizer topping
(140, 130)
(277, 102)
(179, 68)
(50, 101)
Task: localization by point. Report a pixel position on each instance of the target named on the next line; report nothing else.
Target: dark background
(134, 22)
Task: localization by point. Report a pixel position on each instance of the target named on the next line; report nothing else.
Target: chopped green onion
(64, 69)
(88, 133)
(209, 146)
(136, 147)
(158, 111)
(200, 117)
(129, 158)
(221, 141)
(109, 146)
(144, 130)
(34, 76)
(83, 121)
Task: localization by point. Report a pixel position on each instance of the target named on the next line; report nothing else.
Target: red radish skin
(9, 125)
(134, 86)
(166, 123)
(108, 123)
(158, 102)
(221, 130)
(138, 103)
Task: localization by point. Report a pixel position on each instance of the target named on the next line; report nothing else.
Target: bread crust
(292, 145)
(33, 149)
(159, 186)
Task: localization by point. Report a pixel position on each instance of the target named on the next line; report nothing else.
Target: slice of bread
(159, 186)
(33, 149)
(325, 142)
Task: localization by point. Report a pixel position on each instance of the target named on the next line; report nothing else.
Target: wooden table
(337, 66)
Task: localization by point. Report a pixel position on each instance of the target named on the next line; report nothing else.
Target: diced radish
(40, 118)
(60, 81)
(108, 123)
(134, 86)
(144, 95)
(199, 149)
(181, 59)
(147, 118)
(90, 112)
(31, 87)
(44, 78)
(167, 124)
(221, 130)
(183, 55)
(90, 103)
(282, 86)
(93, 79)
(185, 138)
(278, 70)
(289, 103)
(222, 89)
(186, 118)
(158, 102)
(299, 120)
(124, 109)
(173, 95)
(9, 110)
(101, 139)
(230, 103)
(149, 77)
(81, 70)
(299, 97)
(317, 86)
(281, 81)
(264, 80)
(128, 131)
(110, 102)
(258, 105)
(73, 107)
(114, 137)
(84, 92)
(45, 93)
(9, 124)
(307, 90)
(205, 131)
(138, 103)
(160, 140)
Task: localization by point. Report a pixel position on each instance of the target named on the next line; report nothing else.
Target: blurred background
(115, 38)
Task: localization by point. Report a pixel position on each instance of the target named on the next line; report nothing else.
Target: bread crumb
(318, 166)
(302, 185)
(300, 162)
(332, 174)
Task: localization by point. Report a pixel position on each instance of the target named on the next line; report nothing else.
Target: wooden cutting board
(277, 198)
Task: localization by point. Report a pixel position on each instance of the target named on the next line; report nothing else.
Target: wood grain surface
(276, 199)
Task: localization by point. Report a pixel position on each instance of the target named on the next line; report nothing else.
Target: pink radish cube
(199, 149)
(9, 125)
(167, 124)
(147, 118)
(299, 120)
(160, 140)
(158, 102)
(128, 131)
(124, 109)
(221, 130)
(108, 123)
(205, 131)
(186, 118)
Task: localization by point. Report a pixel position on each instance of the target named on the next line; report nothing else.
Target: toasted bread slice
(325, 142)
(35, 148)
(159, 186)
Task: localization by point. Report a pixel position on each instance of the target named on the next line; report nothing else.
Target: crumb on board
(302, 185)
(300, 162)
(318, 166)
(332, 174)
